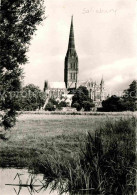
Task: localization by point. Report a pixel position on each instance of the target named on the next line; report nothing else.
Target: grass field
(53, 145)
(35, 136)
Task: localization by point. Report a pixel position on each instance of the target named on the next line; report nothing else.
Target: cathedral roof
(57, 85)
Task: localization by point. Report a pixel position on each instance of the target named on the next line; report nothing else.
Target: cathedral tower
(102, 90)
(71, 62)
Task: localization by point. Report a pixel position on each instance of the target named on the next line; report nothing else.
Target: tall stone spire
(102, 82)
(71, 44)
(102, 94)
(71, 62)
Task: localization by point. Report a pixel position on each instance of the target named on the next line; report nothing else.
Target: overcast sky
(105, 39)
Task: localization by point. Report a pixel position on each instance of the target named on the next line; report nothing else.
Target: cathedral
(71, 73)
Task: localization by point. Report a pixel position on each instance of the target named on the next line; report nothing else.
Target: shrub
(77, 106)
(81, 95)
(113, 104)
(87, 105)
(124, 103)
(63, 104)
(50, 107)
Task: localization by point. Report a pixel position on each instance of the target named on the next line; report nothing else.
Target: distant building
(55, 89)
(71, 82)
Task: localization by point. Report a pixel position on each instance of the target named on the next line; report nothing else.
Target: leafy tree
(54, 104)
(127, 102)
(63, 104)
(19, 19)
(31, 98)
(113, 103)
(50, 106)
(54, 101)
(87, 105)
(130, 97)
(77, 106)
(80, 98)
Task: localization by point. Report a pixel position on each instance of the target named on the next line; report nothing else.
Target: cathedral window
(71, 76)
(71, 65)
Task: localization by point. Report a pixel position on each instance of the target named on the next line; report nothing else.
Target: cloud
(106, 44)
(118, 74)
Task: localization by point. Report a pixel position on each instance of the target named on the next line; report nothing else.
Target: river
(22, 176)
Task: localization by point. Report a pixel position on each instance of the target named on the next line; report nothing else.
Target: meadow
(77, 148)
(34, 136)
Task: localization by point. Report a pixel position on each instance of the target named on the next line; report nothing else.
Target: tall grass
(105, 165)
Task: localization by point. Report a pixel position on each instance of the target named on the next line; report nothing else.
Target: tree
(31, 98)
(81, 99)
(55, 104)
(50, 106)
(113, 103)
(63, 104)
(87, 105)
(77, 106)
(130, 97)
(126, 102)
(19, 19)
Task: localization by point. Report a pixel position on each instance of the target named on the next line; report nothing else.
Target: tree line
(127, 102)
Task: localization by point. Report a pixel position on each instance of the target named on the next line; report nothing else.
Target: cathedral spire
(71, 44)
(102, 81)
(71, 61)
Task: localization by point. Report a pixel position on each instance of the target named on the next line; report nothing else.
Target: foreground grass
(36, 136)
(105, 165)
(61, 148)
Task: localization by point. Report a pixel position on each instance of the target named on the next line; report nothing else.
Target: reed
(104, 165)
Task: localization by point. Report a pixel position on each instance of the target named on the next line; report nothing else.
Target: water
(7, 177)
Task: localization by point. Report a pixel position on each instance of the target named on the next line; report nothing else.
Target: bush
(50, 107)
(81, 95)
(31, 98)
(54, 103)
(77, 106)
(125, 103)
(113, 104)
(63, 104)
(87, 105)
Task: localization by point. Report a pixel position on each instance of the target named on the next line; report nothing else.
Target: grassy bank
(35, 136)
(60, 147)
(105, 164)
(125, 113)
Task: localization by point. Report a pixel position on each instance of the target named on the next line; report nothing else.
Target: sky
(105, 40)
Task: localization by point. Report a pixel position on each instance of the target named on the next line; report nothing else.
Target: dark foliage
(105, 165)
(113, 103)
(130, 97)
(53, 104)
(19, 19)
(127, 102)
(31, 98)
(63, 104)
(87, 105)
(81, 99)
(50, 106)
